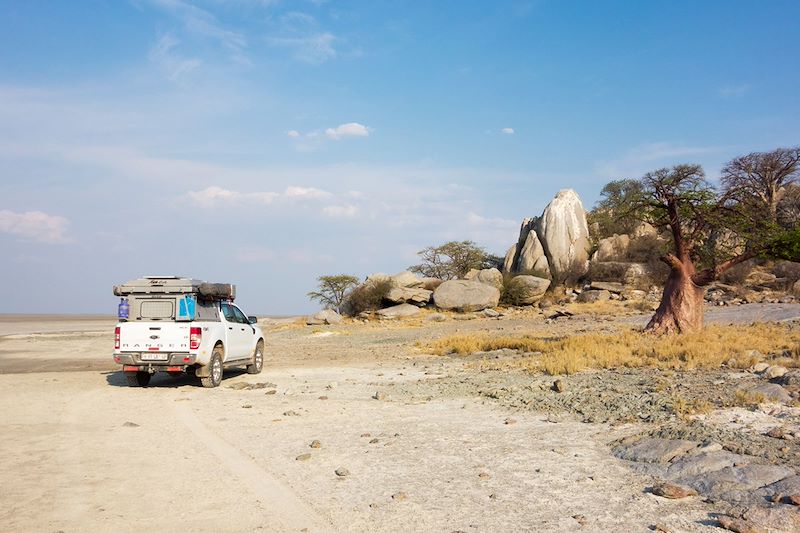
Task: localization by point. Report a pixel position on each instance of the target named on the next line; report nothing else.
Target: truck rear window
(157, 309)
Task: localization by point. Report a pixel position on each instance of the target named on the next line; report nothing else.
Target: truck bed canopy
(167, 285)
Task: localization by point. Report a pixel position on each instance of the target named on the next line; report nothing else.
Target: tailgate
(154, 337)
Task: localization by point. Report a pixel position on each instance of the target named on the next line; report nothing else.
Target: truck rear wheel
(137, 379)
(214, 377)
(258, 360)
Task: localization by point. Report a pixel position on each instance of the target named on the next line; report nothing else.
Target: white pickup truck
(176, 325)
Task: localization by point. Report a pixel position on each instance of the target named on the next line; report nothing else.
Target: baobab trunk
(681, 308)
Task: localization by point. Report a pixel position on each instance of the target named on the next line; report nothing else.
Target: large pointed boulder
(564, 234)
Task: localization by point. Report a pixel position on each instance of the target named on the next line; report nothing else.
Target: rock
(775, 371)
(796, 288)
(303, 457)
(406, 279)
(374, 441)
(592, 296)
(794, 499)
(490, 313)
(736, 525)
(531, 257)
(464, 295)
(559, 385)
(291, 413)
(775, 433)
(431, 283)
(760, 278)
(695, 465)
(673, 491)
(342, 472)
(398, 311)
(759, 367)
(579, 518)
(484, 475)
(564, 235)
(509, 421)
(510, 259)
(770, 391)
(436, 317)
(326, 316)
(733, 479)
(399, 496)
(130, 425)
(643, 229)
(610, 286)
(652, 450)
(379, 396)
(315, 444)
(489, 276)
(614, 248)
(634, 275)
(633, 294)
(511, 262)
(530, 288)
(775, 518)
(414, 295)
(787, 485)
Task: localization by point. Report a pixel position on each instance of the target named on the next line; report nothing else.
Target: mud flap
(202, 371)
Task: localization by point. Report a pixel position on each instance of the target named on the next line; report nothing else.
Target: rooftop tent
(174, 285)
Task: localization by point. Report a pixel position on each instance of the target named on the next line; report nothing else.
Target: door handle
(230, 328)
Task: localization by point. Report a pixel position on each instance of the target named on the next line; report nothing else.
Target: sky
(268, 142)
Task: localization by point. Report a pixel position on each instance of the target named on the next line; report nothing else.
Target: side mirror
(252, 320)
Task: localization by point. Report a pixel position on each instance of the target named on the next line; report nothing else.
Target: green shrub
(367, 297)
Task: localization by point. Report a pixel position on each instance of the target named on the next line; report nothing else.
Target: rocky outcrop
(407, 279)
(564, 234)
(465, 295)
(528, 254)
(412, 295)
(326, 316)
(489, 276)
(614, 248)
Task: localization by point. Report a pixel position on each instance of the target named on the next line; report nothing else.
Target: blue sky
(268, 142)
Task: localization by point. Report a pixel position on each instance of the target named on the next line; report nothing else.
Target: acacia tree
(681, 200)
(453, 260)
(333, 290)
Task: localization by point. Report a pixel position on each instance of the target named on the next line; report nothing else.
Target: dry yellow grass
(714, 346)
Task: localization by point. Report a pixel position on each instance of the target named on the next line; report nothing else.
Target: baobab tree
(682, 201)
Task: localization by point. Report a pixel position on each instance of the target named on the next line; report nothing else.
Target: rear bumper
(137, 359)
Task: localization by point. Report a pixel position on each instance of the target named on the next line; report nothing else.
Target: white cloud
(305, 192)
(508, 131)
(173, 65)
(35, 226)
(340, 211)
(216, 196)
(350, 129)
(645, 157)
(734, 91)
(203, 23)
(294, 134)
(313, 49)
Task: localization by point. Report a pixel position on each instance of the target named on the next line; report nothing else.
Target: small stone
(247, 406)
(579, 518)
(794, 499)
(559, 385)
(661, 527)
(758, 367)
(373, 441)
(493, 496)
(736, 524)
(271, 392)
(303, 457)
(672, 491)
(775, 371)
(379, 396)
(291, 413)
(323, 398)
(490, 313)
(399, 496)
(775, 433)
(315, 444)
(130, 425)
(342, 472)
(365, 435)
(509, 421)
(484, 475)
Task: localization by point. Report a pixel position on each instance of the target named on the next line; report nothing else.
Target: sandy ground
(82, 452)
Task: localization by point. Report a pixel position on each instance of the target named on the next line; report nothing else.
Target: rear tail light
(195, 336)
(116, 338)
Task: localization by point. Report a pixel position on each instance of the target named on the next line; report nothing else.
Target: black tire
(214, 377)
(137, 379)
(258, 360)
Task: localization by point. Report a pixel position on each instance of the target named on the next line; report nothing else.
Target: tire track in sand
(288, 511)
